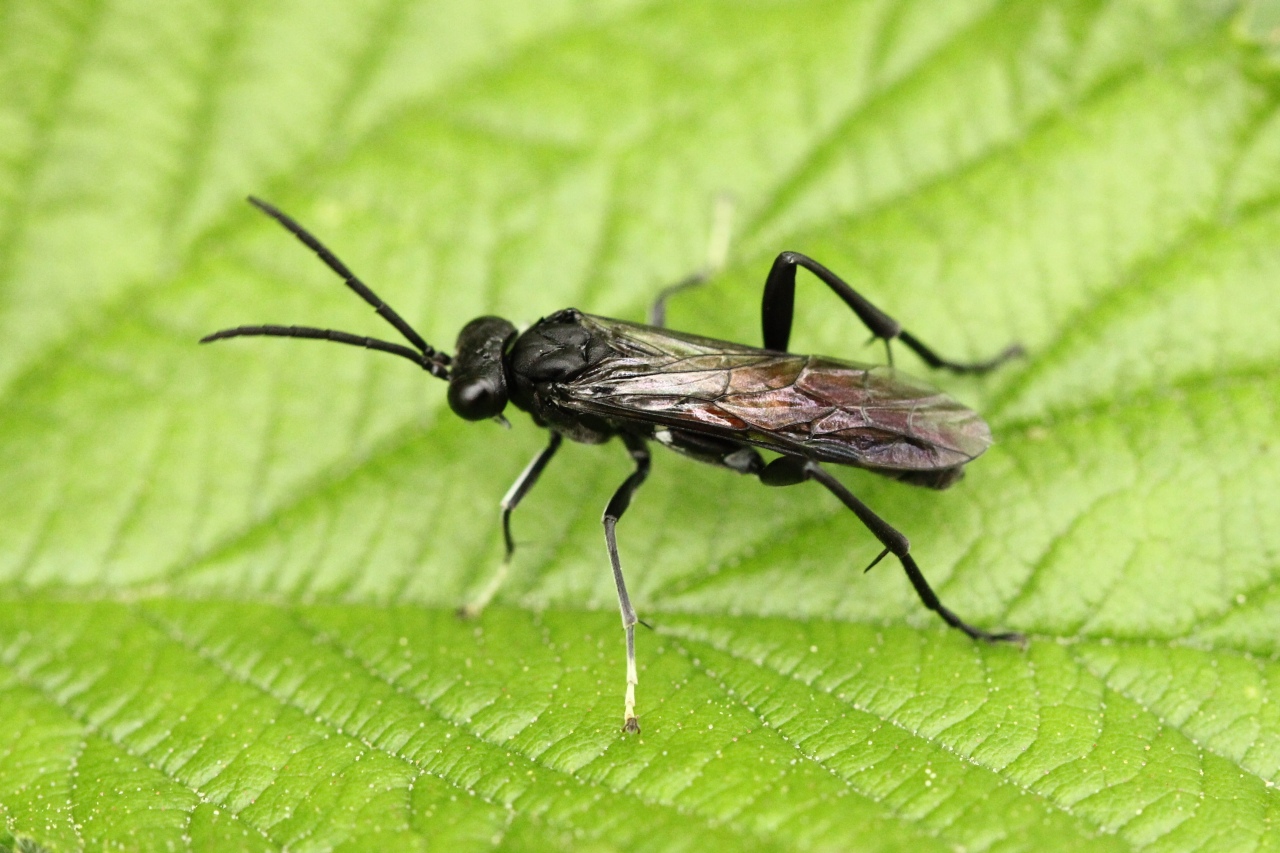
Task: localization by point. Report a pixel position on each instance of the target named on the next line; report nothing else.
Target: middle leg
(617, 506)
(717, 251)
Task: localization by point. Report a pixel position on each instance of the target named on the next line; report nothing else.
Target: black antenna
(423, 354)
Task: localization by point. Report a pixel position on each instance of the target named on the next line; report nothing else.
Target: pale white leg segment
(717, 253)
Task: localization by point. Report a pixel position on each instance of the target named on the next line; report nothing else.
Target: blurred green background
(229, 574)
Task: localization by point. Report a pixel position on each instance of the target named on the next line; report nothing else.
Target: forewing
(821, 408)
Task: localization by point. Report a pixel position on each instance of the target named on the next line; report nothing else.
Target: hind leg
(778, 308)
(790, 470)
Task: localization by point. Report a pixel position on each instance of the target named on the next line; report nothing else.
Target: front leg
(779, 307)
(617, 506)
(528, 477)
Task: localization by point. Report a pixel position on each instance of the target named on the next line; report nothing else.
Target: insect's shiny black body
(590, 379)
(594, 377)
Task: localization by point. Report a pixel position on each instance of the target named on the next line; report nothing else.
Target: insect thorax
(554, 350)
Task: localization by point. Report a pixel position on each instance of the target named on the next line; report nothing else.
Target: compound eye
(476, 399)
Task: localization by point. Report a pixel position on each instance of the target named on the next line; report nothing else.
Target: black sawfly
(590, 379)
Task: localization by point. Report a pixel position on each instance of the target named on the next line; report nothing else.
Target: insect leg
(658, 311)
(617, 506)
(717, 250)
(528, 477)
(789, 470)
(778, 307)
(521, 487)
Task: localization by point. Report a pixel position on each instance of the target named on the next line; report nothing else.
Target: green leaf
(230, 573)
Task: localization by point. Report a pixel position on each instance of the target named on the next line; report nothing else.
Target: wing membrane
(821, 408)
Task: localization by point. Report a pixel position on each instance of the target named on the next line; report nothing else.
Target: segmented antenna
(423, 354)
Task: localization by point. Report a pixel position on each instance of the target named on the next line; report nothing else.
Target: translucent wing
(821, 408)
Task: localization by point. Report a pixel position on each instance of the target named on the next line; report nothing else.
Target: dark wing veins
(821, 408)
